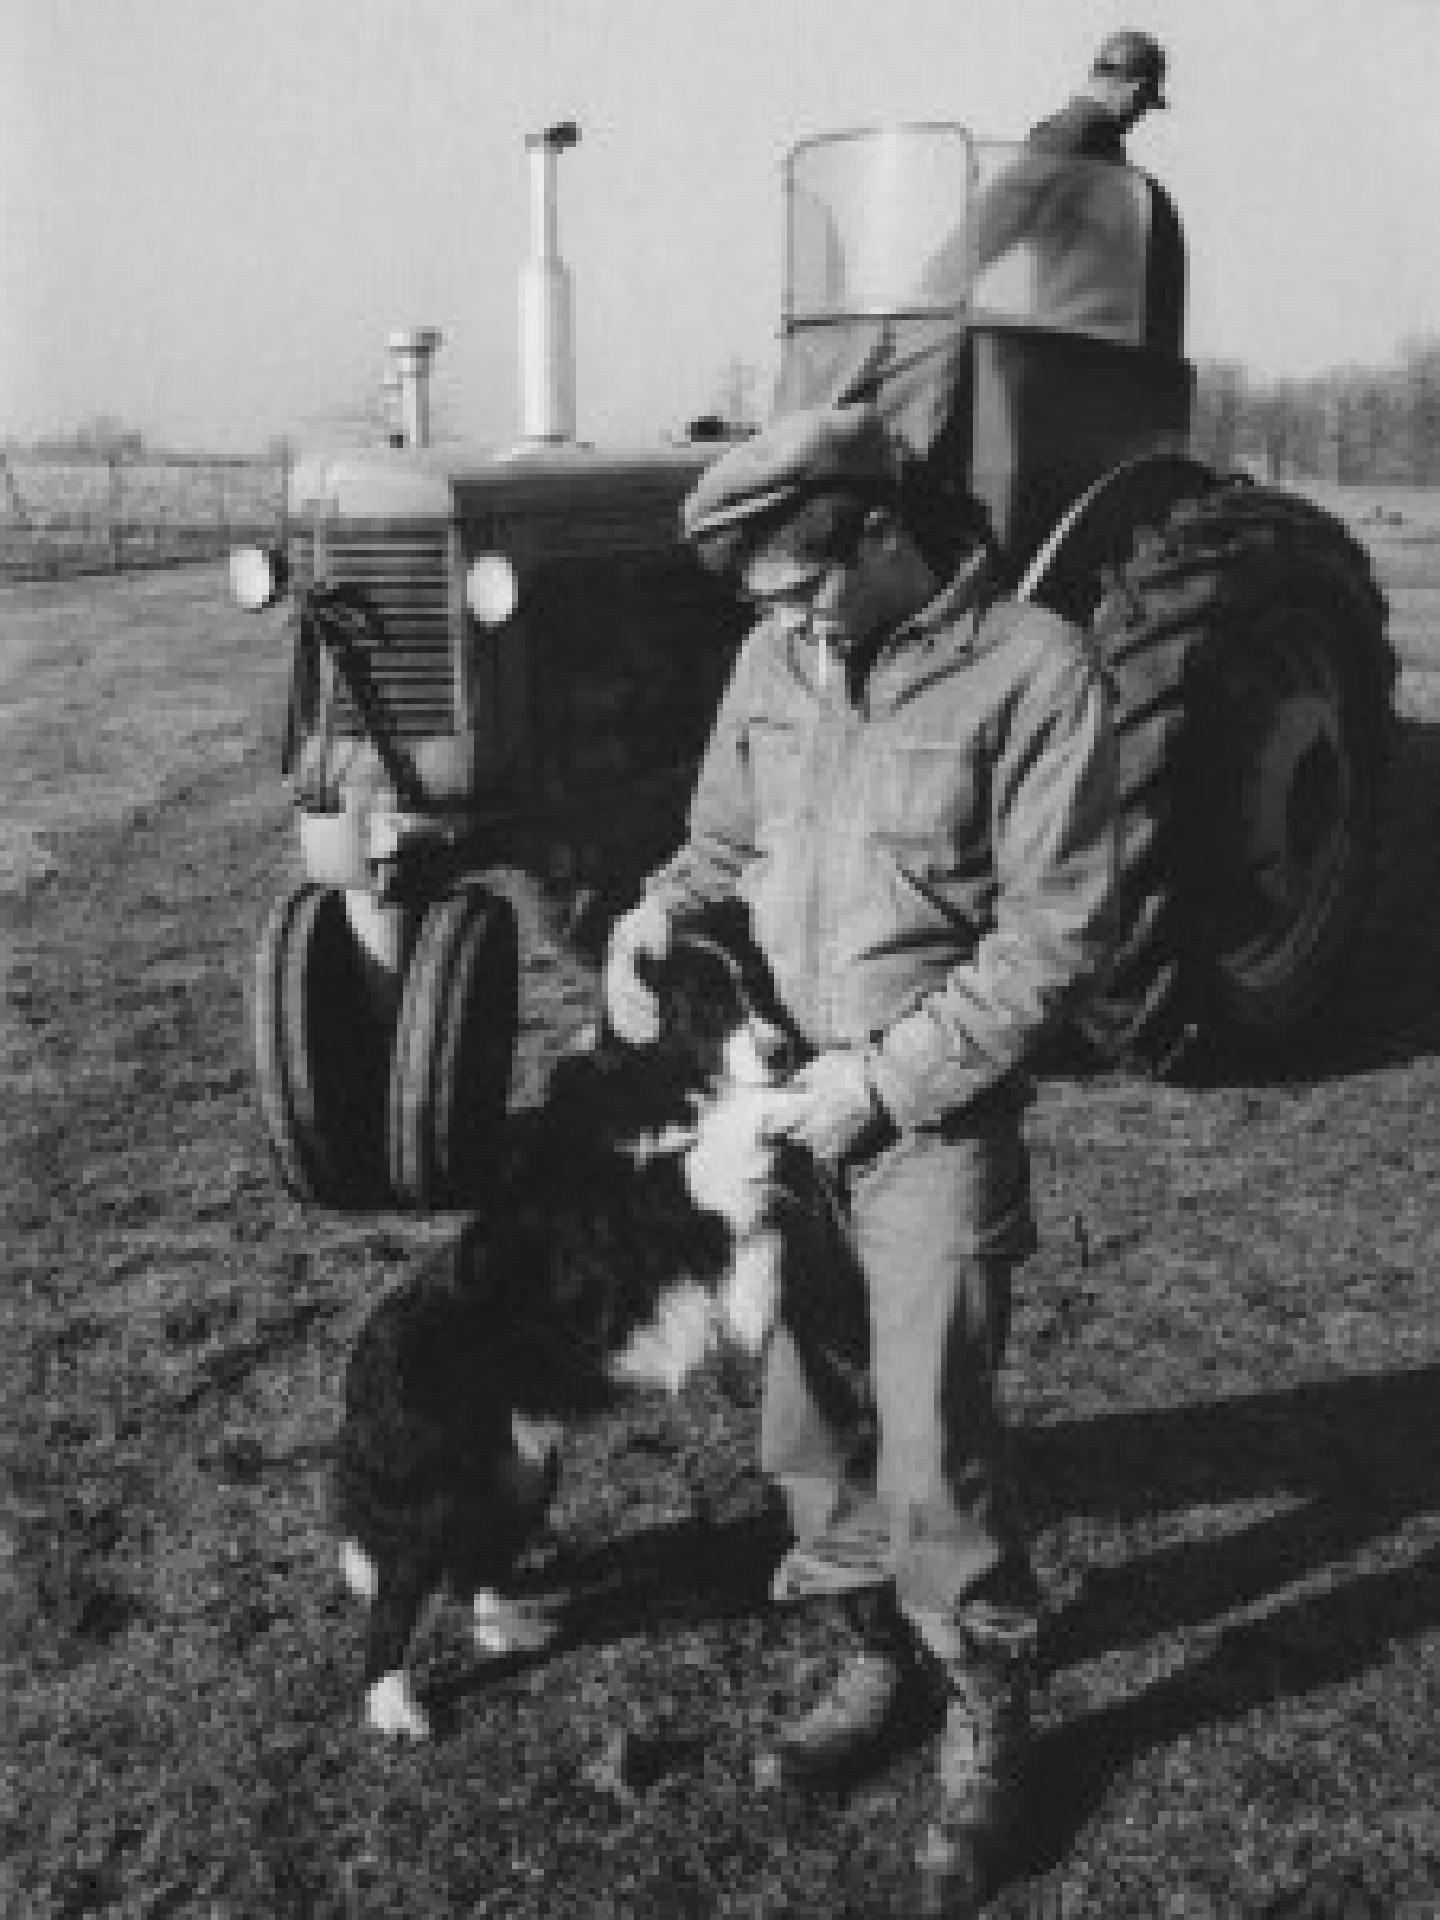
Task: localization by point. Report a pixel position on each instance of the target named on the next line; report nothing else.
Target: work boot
(983, 1768)
(878, 1693)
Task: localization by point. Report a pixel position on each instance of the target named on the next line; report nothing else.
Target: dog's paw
(358, 1571)
(392, 1709)
(500, 1625)
(667, 1350)
(756, 1052)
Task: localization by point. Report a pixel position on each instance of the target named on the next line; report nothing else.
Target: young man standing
(910, 785)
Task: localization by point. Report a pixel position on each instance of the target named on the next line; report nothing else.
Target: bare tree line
(104, 437)
(1353, 426)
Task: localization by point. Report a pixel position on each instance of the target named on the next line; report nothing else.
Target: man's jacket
(930, 868)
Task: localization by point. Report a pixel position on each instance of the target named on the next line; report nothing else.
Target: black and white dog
(641, 1215)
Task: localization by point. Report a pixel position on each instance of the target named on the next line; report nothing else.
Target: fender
(1099, 530)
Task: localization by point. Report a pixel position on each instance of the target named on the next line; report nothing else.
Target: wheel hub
(1291, 796)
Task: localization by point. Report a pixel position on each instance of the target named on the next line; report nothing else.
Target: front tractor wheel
(319, 1051)
(453, 1053)
(1246, 640)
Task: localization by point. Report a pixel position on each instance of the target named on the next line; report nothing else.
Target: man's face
(850, 598)
(1128, 100)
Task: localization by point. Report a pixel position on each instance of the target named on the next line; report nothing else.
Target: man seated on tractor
(1069, 230)
(910, 785)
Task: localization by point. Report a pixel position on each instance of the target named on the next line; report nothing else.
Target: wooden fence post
(12, 492)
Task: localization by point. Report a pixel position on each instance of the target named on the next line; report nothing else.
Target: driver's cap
(1135, 58)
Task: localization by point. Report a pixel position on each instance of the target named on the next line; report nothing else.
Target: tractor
(507, 665)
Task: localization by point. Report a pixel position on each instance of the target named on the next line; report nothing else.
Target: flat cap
(813, 451)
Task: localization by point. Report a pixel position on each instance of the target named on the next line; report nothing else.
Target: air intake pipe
(411, 351)
(547, 347)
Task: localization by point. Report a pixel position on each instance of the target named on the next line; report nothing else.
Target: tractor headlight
(257, 577)
(492, 589)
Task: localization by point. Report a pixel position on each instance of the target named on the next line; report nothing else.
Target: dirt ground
(1224, 1387)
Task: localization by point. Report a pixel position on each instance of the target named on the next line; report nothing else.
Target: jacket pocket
(923, 799)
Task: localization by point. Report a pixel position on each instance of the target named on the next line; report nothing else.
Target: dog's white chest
(668, 1349)
(730, 1168)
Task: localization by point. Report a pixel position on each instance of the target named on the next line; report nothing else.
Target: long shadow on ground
(1357, 1456)
(672, 1576)
(676, 1576)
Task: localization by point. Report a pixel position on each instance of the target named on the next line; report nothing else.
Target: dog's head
(717, 1012)
(718, 1009)
(716, 995)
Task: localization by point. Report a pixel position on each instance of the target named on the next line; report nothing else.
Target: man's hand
(631, 1006)
(829, 1107)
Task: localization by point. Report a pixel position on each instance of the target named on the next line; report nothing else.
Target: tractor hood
(398, 484)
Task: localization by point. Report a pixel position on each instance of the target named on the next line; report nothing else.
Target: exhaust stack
(547, 347)
(411, 352)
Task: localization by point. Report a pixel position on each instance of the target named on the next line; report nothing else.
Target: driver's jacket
(930, 868)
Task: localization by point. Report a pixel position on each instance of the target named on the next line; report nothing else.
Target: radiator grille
(302, 557)
(404, 573)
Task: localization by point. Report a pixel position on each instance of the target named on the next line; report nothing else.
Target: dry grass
(1225, 1385)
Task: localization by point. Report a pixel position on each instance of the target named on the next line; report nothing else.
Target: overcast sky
(213, 211)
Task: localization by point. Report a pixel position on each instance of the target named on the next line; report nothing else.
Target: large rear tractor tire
(1253, 678)
(454, 1051)
(320, 1052)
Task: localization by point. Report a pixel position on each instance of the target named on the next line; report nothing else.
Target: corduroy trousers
(880, 1419)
